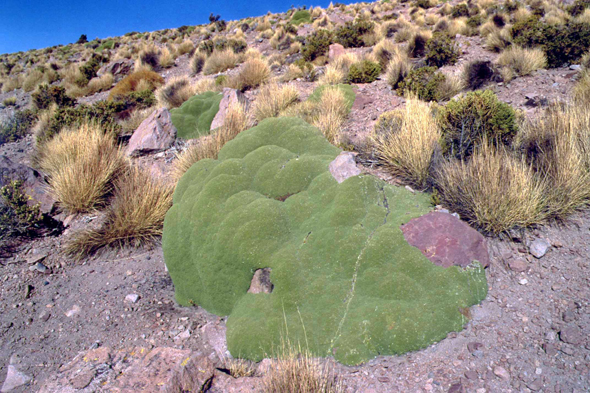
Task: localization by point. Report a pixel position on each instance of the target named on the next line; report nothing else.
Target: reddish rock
(445, 240)
(362, 101)
(344, 167)
(155, 134)
(335, 51)
(518, 265)
(118, 68)
(230, 97)
(33, 183)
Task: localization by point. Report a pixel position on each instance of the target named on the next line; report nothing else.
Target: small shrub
(478, 73)
(384, 52)
(440, 51)
(197, 62)
(150, 56)
(497, 41)
(523, 61)
(425, 82)
(494, 191)
(10, 101)
(254, 73)
(174, 93)
(578, 7)
(417, 44)
(398, 68)
(273, 99)
(18, 216)
(81, 165)
(332, 109)
(469, 120)
(365, 71)
(134, 217)
(351, 34)
(47, 95)
(17, 126)
(460, 10)
(221, 61)
(301, 16)
(405, 141)
(89, 69)
(135, 82)
(316, 44)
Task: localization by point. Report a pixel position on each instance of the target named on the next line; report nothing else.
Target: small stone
(41, 268)
(550, 336)
(518, 265)
(474, 346)
(383, 379)
(456, 388)
(524, 281)
(480, 390)
(44, 315)
(568, 316)
(536, 385)
(538, 371)
(567, 350)
(183, 335)
(471, 374)
(82, 379)
(73, 311)
(410, 189)
(132, 298)
(539, 248)
(14, 379)
(501, 372)
(575, 67)
(571, 335)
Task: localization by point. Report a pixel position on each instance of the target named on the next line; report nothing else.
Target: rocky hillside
(334, 188)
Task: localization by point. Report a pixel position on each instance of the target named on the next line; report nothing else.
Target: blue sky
(27, 24)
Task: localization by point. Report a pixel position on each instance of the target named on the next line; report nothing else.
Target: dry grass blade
(332, 110)
(174, 93)
(523, 61)
(235, 122)
(135, 216)
(295, 371)
(272, 99)
(405, 142)
(81, 164)
(494, 191)
(254, 73)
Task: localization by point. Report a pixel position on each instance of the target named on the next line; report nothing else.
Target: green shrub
(578, 7)
(440, 51)
(108, 44)
(426, 4)
(562, 44)
(424, 82)
(17, 216)
(478, 115)
(17, 126)
(47, 95)
(351, 34)
(10, 101)
(460, 10)
(102, 112)
(135, 100)
(90, 69)
(301, 16)
(365, 71)
(316, 44)
(335, 252)
(193, 118)
(475, 21)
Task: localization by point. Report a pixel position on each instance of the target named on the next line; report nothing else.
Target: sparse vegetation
(16, 126)
(136, 82)
(424, 82)
(273, 99)
(174, 93)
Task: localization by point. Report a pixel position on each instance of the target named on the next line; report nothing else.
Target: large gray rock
(344, 167)
(14, 379)
(446, 241)
(155, 134)
(230, 97)
(33, 183)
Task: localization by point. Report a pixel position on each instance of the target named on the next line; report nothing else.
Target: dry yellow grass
(197, 62)
(131, 123)
(333, 75)
(220, 61)
(558, 144)
(134, 217)
(581, 91)
(384, 51)
(398, 67)
(12, 83)
(207, 84)
(523, 61)
(294, 370)
(494, 190)
(185, 47)
(81, 164)
(32, 80)
(254, 73)
(167, 58)
(174, 93)
(332, 110)
(450, 87)
(272, 99)
(405, 141)
(235, 122)
(95, 85)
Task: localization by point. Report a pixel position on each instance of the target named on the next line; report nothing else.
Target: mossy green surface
(193, 118)
(301, 16)
(346, 283)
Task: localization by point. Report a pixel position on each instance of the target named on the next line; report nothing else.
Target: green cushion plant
(193, 118)
(346, 283)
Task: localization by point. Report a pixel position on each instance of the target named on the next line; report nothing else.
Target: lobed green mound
(346, 283)
(349, 94)
(301, 16)
(193, 118)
